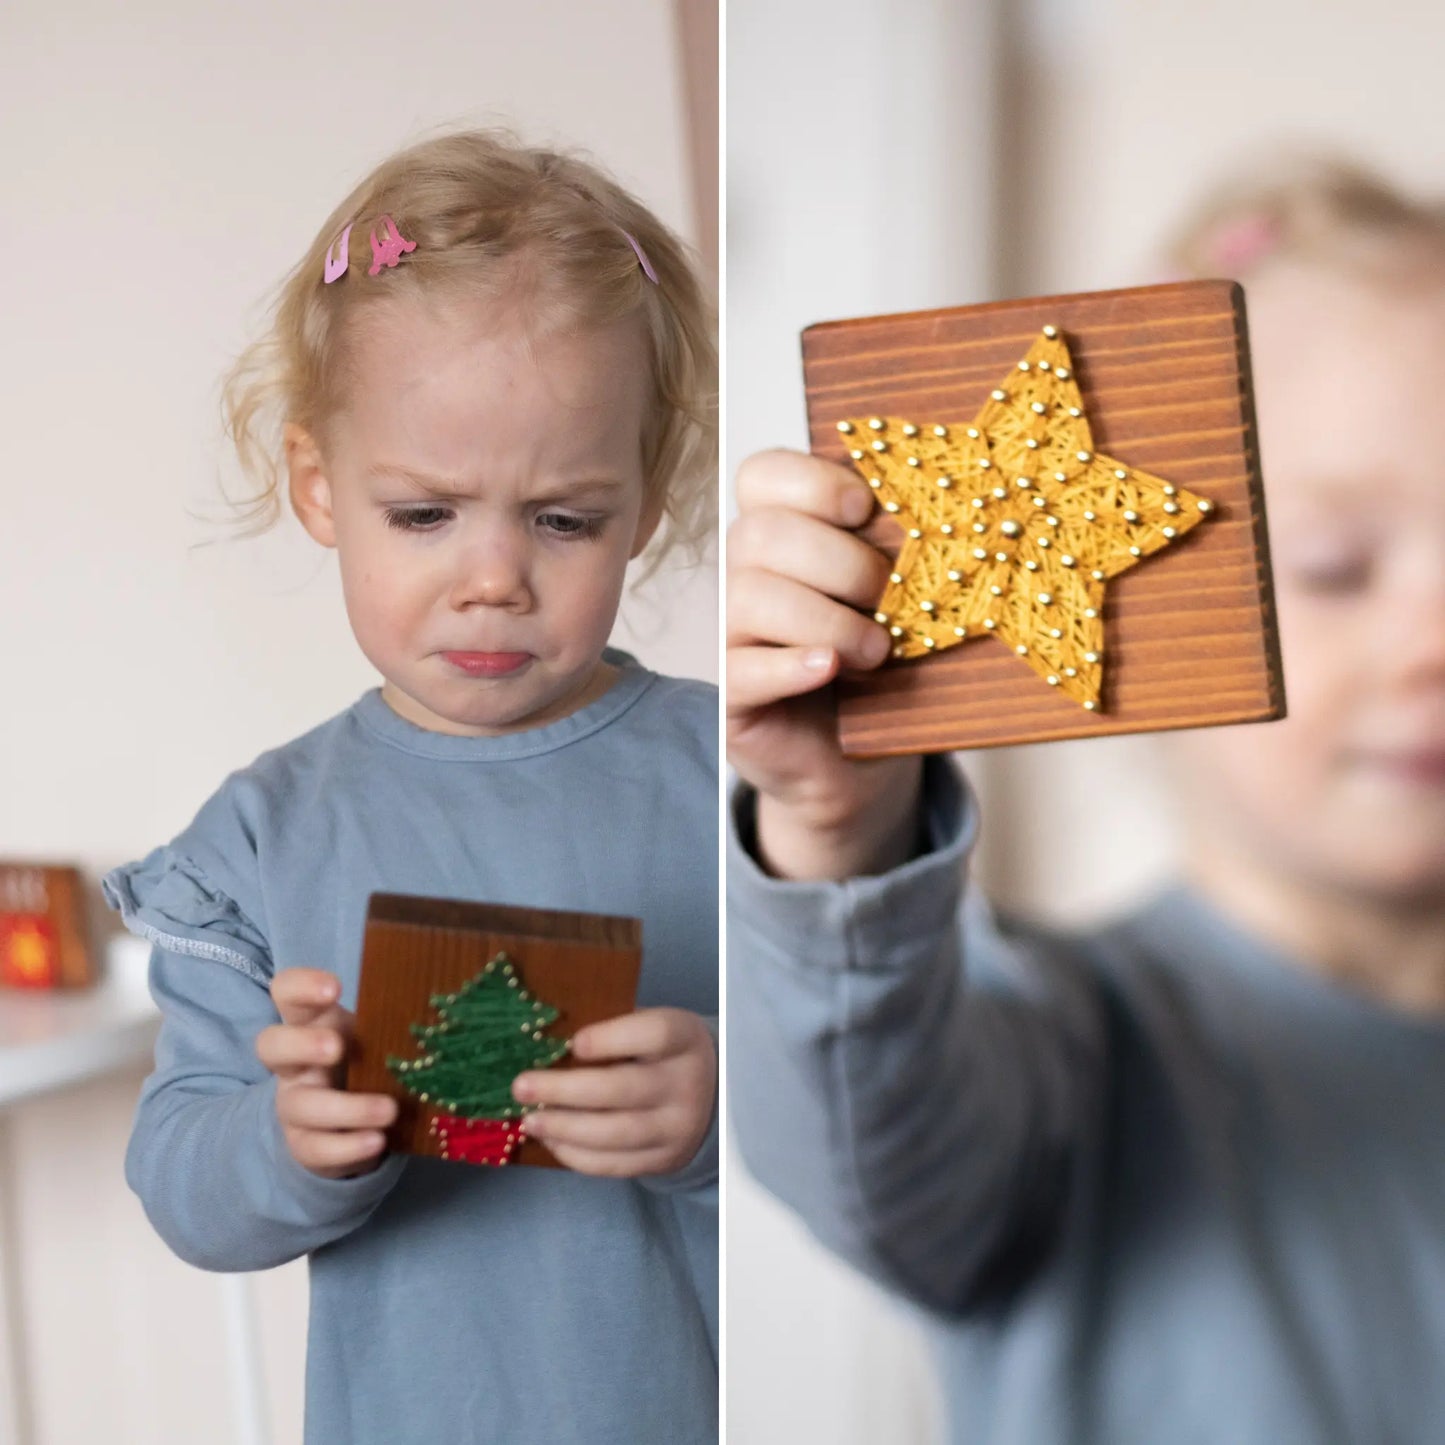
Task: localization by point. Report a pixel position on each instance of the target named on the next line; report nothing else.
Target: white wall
(163, 164)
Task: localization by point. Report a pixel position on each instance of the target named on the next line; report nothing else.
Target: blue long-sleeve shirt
(449, 1302)
(1148, 1185)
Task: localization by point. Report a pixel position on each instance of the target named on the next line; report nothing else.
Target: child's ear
(310, 488)
(647, 523)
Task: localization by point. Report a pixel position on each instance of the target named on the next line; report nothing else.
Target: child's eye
(416, 519)
(570, 525)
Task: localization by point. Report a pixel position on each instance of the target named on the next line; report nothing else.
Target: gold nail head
(1053, 681)
(940, 431)
(1170, 532)
(1091, 705)
(1032, 565)
(945, 482)
(1045, 598)
(909, 430)
(890, 506)
(978, 501)
(1130, 515)
(1051, 331)
(1022, 649)
(1097, 575)
(996, 590)
(1009, 528)
(896, 631)
(1067, 560)
(928, 642)
(1136, 551)
(1205, 506)
(1055, 632)
(912, 461)
(1091, 657)
(1031, 443)
(1038, 407)
(1091, 612)
(845, 427)
(1024, 366)
(1075, 411)
(980, 526)
(914, 532)
(972, 431)
(960, 632)
(895, 577)
(1000, 556)
(1085, 456)
(984, 464)
(1091, 516)
(1044, 542)
(1024, 482)
(1000, 492)
(1043, 366)
(1041, 501)
(947, 529)
(1121, 473)
(898, 652)
(875, 482)
(981, 553)
(880, 617)
(989, 623)
(954, 575)
(1170, 489)
(879, 446)
(856, 453)
(1171, 507)
(876, 422)
(1071, 672)
(1062, 372)
(998, 394)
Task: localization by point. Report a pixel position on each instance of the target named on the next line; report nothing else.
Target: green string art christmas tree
(487, 1032)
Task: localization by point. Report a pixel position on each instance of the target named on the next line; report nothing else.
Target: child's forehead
(1348, 377)
(458, 379)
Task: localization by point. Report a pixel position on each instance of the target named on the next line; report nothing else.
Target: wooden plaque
(44, 937)
(584, 964)
(1189, 634)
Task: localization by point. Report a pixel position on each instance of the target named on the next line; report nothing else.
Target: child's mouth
(488, 664)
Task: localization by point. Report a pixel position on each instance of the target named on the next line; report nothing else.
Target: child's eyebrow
(444, 487)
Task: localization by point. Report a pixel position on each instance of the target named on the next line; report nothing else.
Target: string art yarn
(1013, 523)
(485, 1034)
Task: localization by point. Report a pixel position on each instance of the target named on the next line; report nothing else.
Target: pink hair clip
(390, 249)
(335, 268)
(1240, 244)
(641, 257)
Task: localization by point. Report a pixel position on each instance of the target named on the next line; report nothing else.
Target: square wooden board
(584, 964)
(1190, 633)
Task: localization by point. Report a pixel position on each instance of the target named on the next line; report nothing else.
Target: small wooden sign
(1159, 375)
(585, 965)
(44, 938)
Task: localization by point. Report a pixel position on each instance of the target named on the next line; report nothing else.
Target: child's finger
(331, 1109)
(647, 1034)
(302, 995)
(617, 1086)
(760, 676)
(332, 1154)
(285, 1048)
(625, 1131)
(804, 483)
(765, 608)
(611, 1163)
(788, 544)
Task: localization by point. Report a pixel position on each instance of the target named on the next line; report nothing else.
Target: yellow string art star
(1013, 523)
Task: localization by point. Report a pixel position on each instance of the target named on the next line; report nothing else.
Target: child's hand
(644, 1111)
(328, 1131)
(797, 579)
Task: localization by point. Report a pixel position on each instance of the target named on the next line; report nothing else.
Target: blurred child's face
(484, 490)
(1348, 792)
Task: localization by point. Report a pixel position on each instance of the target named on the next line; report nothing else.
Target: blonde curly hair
(492, 216)
(1311, 207)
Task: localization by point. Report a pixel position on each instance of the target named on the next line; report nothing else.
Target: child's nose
(492, 573)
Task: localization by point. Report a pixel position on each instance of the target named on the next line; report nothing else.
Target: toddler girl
(1181, 1177)
(493, 374)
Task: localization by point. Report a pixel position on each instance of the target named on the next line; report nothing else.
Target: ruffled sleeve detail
(169, 899)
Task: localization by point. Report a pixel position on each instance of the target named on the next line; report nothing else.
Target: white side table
(52, 1041)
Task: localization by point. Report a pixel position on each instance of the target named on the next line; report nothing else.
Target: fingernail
(857, 506)
(818, 659)
(522, 1089)
(876, 646)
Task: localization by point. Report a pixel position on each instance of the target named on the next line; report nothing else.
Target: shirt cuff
(854, 923)
(701, 1171)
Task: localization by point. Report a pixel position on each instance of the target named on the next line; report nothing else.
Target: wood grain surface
(1190, 633)
(584, 964)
